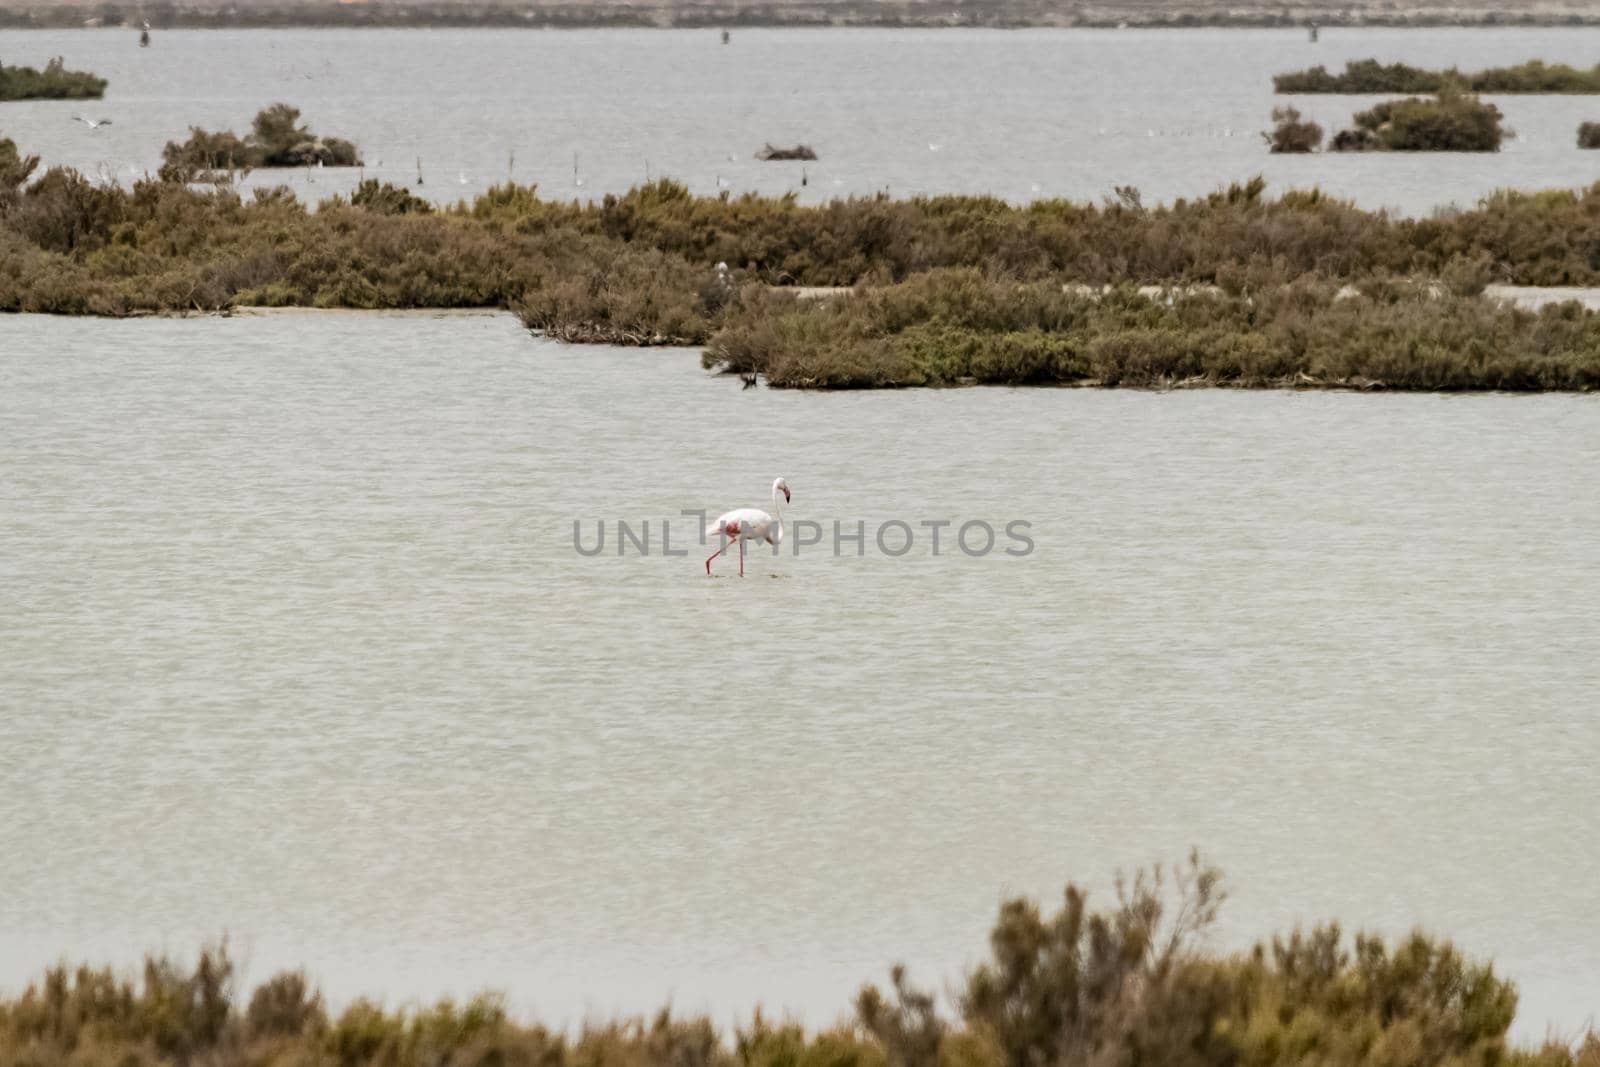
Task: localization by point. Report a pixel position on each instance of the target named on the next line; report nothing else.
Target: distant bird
(934, 147)
(722, 183)
(91, 123)
(461, 179)
(750, 524)
(1036, 187)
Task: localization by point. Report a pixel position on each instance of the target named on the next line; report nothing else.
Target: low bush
(276, 139)
(1292, 132)
(1451, 122)
(1133, 982)
(950, 327)
(55, 82)
(1370, 76)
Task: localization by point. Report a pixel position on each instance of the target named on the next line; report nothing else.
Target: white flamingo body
(749, 524)
(752, 524)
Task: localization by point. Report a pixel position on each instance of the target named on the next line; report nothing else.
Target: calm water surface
(296, 646)
(1021, 114)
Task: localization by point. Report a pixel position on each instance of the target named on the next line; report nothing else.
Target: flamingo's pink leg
(732, 531)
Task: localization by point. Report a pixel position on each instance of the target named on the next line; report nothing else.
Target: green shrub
(1362, 76)
(382, 198)
(1370, 76)
(1292, 133)
(1451, 122)
(55, 82)
(952, 326)
(1589, 135)
(14, 171)
(276, 139)
(1132, 983)
(286, 1005)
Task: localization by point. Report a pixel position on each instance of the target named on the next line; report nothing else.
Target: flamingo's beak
(786, 494)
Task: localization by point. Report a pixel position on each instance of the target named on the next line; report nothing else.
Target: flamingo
(753, 524)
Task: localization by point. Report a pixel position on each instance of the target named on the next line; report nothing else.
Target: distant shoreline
(986, 14)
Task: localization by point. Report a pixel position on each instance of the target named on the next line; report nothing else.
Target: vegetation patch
(1133, 981)
(1370, 76)
(55, 82)
(957, 326)
(1292, 132)
(1450, 122)
(276, 139)
(770, 153)
(1301, 289)
(1589, 135)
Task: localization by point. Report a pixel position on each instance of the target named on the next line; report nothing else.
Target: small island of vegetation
(770, 153)
(1136, 981)
(1232, 289)
(1450, 122)
(1589, 135)
(276, 139)
(55, 82)
(1292, 132)
(1369, 76)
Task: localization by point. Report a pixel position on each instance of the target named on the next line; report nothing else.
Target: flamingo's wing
(753, 522)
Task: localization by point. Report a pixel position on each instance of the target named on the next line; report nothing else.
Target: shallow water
(1021, 114)
(297, 646)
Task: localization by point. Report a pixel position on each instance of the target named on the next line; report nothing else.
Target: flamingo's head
(781, 486)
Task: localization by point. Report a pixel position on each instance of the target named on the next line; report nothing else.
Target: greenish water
(296, 646)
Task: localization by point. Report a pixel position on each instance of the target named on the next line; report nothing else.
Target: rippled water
(1021, 114)
(296, 646)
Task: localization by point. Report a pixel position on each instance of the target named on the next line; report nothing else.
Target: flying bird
(749, 524)
(91, 123)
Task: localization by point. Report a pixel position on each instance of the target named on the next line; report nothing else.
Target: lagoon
(1021, 114)
(297, 647)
